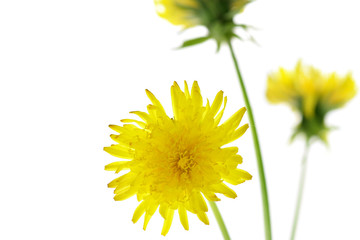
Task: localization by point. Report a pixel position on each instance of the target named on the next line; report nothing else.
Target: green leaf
(194, 41)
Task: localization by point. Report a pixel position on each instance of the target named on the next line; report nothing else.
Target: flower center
(186, 161)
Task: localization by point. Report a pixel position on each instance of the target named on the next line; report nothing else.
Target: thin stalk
(301, 190)
(264, 193)
(219, 220)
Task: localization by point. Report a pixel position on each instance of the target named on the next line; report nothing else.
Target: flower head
(174, 162)
(216, 15)
(312, 94)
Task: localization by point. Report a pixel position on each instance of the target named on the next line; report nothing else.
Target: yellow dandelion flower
(174, 162)
(311, 93)
(216, 15)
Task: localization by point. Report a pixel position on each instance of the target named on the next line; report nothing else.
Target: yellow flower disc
(175, 162)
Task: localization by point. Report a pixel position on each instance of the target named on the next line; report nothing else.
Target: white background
(69, 68)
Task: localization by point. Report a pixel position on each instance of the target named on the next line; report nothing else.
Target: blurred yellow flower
(216, 15)
(311, 93)
(177, 12)
(174, 162)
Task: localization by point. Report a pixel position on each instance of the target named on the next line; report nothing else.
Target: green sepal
(294, 135)
(312, 128)
(218, 46)
(246, 27)
(193, 42)
(237, 36)
(252, 39)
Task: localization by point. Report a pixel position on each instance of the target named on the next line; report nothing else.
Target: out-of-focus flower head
(216, 15)
(311, 93)
(175, 162)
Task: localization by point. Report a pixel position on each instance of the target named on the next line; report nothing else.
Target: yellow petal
(238, 133)
(221, 113)
(234, 120)
(143, 115)
(198, 203)
(211, 196)
(126, 194)
(139, 211)
(222, 188)
(234, 161)
(149, 212)
(117, 166)
(237, 176)
(237, 158)
(183, 217)
(154, 100)
(175, 102)
(120, 179)
(140, 123)
(163, 210)
(122, 141)
(229, 151)
(121, 188)
(186, 90)
(203, 217)
(215, 106)
(118, 152)
(167, 222)
(113, 183)
(116, 128)
(124, 182)
(196, 95)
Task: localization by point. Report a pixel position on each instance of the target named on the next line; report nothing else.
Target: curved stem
(219, 220)
(301, 190)
(265, 200)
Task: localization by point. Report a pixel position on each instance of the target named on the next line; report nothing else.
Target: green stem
(219, 220)
(265, 200)
(301, 190)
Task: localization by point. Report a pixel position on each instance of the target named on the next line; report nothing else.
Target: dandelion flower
(175, 162)
(216, 15)
(312, 94)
